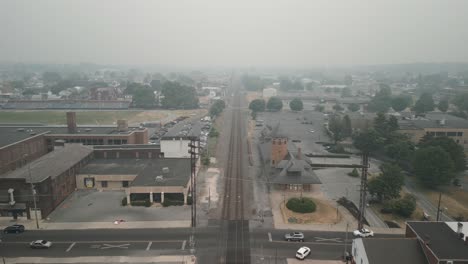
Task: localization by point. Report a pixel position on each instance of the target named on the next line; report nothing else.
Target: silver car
(294, 236)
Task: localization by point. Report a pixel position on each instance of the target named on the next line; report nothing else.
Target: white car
(312, 131)
(302, 253)
(40, 244)
(363, 233)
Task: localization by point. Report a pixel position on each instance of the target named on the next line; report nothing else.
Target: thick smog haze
(234, 33)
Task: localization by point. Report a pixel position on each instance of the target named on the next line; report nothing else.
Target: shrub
(403, 207)
(354, 173)
(301, 205)
(124, 201)
(146, 203)
(206, 160)
(189, 200)
(213, 132)
(168, 202)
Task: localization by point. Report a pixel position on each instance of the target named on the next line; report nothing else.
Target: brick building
(53, 177)
(32, 141)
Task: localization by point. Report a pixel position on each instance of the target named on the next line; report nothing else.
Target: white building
(175, 147)
(269, 92)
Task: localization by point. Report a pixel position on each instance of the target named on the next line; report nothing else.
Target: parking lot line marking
(149, 245)
(269, 237)
(70, 247)
(183, 244)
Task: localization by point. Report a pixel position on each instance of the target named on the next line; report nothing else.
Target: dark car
(14, 229)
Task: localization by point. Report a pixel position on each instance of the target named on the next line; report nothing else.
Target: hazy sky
(234, 33)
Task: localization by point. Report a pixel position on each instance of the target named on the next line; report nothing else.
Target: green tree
(51, 77)
(338, 107)
(156, 85)
(433, 166)
(253, 83)
(382, 100)
(336, 128)
(62, 85)
(296, 104)
(18, 84)
(178, 96)
(405, 206)
(217, 107)
(443, 105)
(461, 101)
(286, 84)
(257, 105)
(424, 104)
(400, 150)
(456, 152)
(319, 108)
(381, 124)
(353, 107)
(401, 102)
(347, 128)
(388, 184)
(143, 98)
(274, 104)
(392, 124)
(368, 141)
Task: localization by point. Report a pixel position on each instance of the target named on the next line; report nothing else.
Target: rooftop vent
(165, 170)
(159, 178)
(88, 129)
(20, 129)
(442, 122)
(32, 133)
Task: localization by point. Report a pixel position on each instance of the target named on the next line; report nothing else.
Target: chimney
(459, 228)
(299, 153)
(122, 125)
(71, 122)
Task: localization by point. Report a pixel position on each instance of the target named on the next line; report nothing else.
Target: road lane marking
(183, 244)
(321, 239)
(107, 246)
(70, 247)
(149, 245)
(269, 237)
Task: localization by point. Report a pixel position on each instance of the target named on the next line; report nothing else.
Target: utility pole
(33, 194)
(346, 243)
(363, 192)
(438, 206)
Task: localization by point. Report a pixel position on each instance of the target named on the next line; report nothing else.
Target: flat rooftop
(50, 165)
(14, 133)
(177, 173)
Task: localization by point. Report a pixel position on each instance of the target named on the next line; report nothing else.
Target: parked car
(294, 236)
(302, 253)
(363, 233)
(39, 244)
(14, 229)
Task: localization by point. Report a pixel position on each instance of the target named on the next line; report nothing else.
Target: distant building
(269, 92)
(20, 143)
(376, 251)
(436, 124)
(285, 164)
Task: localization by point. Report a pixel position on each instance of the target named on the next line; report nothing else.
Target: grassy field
(58, 117)
(453, 198)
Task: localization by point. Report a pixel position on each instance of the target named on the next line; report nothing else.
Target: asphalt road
(264, 243)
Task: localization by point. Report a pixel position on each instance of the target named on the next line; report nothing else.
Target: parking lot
(95, 206)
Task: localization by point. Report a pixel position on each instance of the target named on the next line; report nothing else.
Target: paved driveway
(95, 206)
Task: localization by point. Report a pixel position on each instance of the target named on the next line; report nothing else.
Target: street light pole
(34, 196)
(438, 206)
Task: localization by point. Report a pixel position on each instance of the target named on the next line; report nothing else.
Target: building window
(451, 134)
(125, 184)
(440, 134)
(431, 133)
(460, 134)
(104, 184)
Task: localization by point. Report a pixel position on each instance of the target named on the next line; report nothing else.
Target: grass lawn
(453, 198)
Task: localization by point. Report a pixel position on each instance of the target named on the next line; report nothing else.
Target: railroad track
(233, 239)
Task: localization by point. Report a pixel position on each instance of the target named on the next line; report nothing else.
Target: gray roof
(178, 174)
(432, 120)
(52, 164)
(405, 251)
(294, 169)
(14, 133)
(441, 239)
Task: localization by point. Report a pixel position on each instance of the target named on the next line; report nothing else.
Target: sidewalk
(153, 259)
(44, 225)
